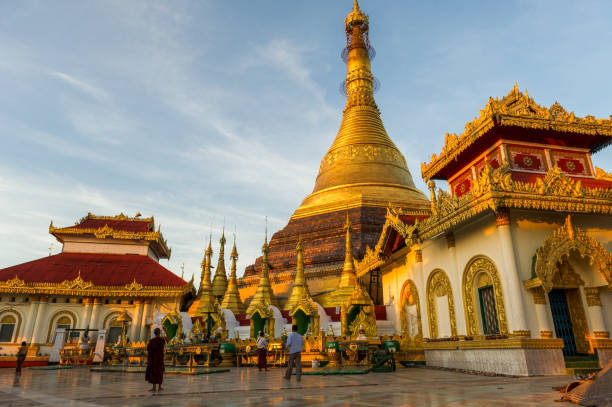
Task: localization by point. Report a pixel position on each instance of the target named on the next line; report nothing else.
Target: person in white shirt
(262, 350)
(295, 343)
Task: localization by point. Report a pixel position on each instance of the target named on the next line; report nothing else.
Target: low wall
(513, 356)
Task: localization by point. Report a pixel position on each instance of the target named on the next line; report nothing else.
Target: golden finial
(231, 299)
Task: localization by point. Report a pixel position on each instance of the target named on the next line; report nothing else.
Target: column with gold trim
(598, 324)
(137, 325)
(541, 310)
(517, 322)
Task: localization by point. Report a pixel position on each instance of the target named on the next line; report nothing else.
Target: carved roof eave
(503, 113)
(106, 232)
(375, 258)
(494, 190)
(80, 288)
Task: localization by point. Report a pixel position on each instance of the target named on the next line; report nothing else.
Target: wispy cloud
(82, 86)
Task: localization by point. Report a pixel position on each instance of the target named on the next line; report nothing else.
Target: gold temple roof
(363, 166)
(232, 300)
(518, 110)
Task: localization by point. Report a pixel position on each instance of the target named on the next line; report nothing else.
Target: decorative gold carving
(516, 110)
(601, 334)
(546, 334)
(366, 319)
(493, 190)
(522, 333)
(592, 296)
(408, 297)
(134, 286)
(578, 318)
(77, 284)
(559, 246)
(539, 296)
(418, 256)
(438, 285)
(601, 174)
(502, 217)
(475, 268)
(12, 283)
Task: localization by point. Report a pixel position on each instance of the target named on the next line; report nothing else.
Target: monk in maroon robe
(155, 361)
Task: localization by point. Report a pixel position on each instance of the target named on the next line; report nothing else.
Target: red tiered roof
(99, 269)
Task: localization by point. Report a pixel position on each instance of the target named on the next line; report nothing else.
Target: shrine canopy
(529, 138)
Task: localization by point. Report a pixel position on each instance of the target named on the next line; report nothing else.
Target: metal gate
(562, 320)
(488, 310)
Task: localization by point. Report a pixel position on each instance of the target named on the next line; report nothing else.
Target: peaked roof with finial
(220, 280)
(348, 278)
(232, 300)
(264, 295)
(300, 290)
(522, 119)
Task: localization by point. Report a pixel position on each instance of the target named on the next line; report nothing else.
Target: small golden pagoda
(264, 295)
(348, 278)
(232, 300)
(206, 299)
(299, 290)
(219, 284)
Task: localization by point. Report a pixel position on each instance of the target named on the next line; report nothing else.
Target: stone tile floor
(248, 387)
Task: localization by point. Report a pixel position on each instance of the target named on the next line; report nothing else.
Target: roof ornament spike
(231, 299)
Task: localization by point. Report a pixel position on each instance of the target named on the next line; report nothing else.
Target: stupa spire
(205, 294)
(219, 283)
(232, 300)
(348, 278)
(264, 295)
(300, 287)
(363, 165)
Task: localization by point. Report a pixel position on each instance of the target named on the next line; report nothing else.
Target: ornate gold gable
(515, 109)
(558, 247)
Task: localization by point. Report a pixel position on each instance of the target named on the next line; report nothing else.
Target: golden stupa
(363, 166)
(362, 173)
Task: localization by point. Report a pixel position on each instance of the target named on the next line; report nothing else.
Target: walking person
(155, 361)
(295, 343)
(21, 357)
(262, 352)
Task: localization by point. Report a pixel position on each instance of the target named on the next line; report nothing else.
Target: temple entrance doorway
(562, 320)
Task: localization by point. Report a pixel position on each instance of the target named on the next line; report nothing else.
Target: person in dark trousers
(262, 352)
(155, 361)
(21, 357)
(295, 343)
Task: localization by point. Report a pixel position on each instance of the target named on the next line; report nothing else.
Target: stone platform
(248, 387)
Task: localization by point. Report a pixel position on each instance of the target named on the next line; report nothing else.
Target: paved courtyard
(248, 387)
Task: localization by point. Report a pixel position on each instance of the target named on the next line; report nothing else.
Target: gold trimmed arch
(438, 285)
(18, 318)
(410, 296)
(55, 317)
(558, 247)
(108, 319)
(482, 267)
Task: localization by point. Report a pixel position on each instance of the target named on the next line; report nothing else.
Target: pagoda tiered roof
(510, 117)
(119, 227)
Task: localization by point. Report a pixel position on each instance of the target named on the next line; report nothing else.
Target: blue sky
(200, 111)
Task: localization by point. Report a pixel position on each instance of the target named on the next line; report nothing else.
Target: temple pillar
(29, 321)
(517, 323)
(143, 324)
(422, 290)
(95, 313)
(541, 310)
(137, 324)
(38, 320)
(456, 280)
(86, 312)
(598, 324)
